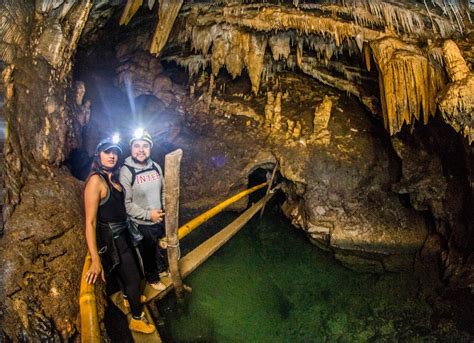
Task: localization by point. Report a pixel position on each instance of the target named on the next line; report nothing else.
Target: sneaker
(159, 286)
(127, 304)
(141, 325)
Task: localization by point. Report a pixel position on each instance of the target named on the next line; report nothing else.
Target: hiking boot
(159, 286)
(164, 273)
(127, 304)
(141, 325)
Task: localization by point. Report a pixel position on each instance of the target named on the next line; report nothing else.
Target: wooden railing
(90, 332)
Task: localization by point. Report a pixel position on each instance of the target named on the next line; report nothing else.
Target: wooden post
(172, 171)
(270, 183)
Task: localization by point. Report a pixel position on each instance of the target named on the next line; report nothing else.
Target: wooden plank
(172, 169)
(199, 255)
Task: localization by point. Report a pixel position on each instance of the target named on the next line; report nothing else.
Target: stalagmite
(290, 125)
(276, 123)
(269, 108)
(297, 130)
(408, 83)
(210, 90)
(322, 114)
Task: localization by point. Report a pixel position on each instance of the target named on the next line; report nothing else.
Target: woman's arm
(92, 195)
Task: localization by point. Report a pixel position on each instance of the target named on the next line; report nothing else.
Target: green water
(269, 284)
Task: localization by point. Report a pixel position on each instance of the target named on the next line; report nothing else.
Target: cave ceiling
(398, 57)
(389, 54)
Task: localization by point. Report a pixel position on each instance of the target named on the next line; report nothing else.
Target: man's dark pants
(155, 259)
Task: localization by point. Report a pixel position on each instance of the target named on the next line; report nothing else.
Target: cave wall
(40, 250)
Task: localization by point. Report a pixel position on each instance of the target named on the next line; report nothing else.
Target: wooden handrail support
(199, 255)
(194, 223)
(90, 332)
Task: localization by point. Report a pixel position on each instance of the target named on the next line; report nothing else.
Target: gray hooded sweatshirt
(147, 192)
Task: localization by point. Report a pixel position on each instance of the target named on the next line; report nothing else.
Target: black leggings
(128, 275)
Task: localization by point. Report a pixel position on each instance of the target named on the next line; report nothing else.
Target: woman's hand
(94, 271)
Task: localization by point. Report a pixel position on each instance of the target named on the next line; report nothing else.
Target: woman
(106, 231)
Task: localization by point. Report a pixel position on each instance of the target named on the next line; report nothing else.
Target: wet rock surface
(42, 252)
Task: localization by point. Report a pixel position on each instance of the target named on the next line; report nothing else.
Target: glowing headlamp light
(115, 138)
(138, 133)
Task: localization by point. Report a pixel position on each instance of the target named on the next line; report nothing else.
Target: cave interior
(366, 106)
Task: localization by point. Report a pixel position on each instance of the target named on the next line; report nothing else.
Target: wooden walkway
(188, 264)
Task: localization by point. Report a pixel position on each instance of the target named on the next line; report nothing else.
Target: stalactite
(193, 64)
(220, 49)
(453, 8)
(235, 59)
(283, 19)
(456, 102)
(280, 46)
(455, 64)
(201, 39)
(14, 17)
(256, 54)
(367, 56)
(435, 55)
(129, 11)
(167, 13)
(308, 68)
(299, 52)
(408, 83)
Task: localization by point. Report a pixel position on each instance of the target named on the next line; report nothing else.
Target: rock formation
(268, 81)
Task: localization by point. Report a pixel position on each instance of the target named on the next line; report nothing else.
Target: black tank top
(113, 209)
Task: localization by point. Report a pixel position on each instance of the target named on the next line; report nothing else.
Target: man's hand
(157, 216)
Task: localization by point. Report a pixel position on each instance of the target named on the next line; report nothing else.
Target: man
(142, 180)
